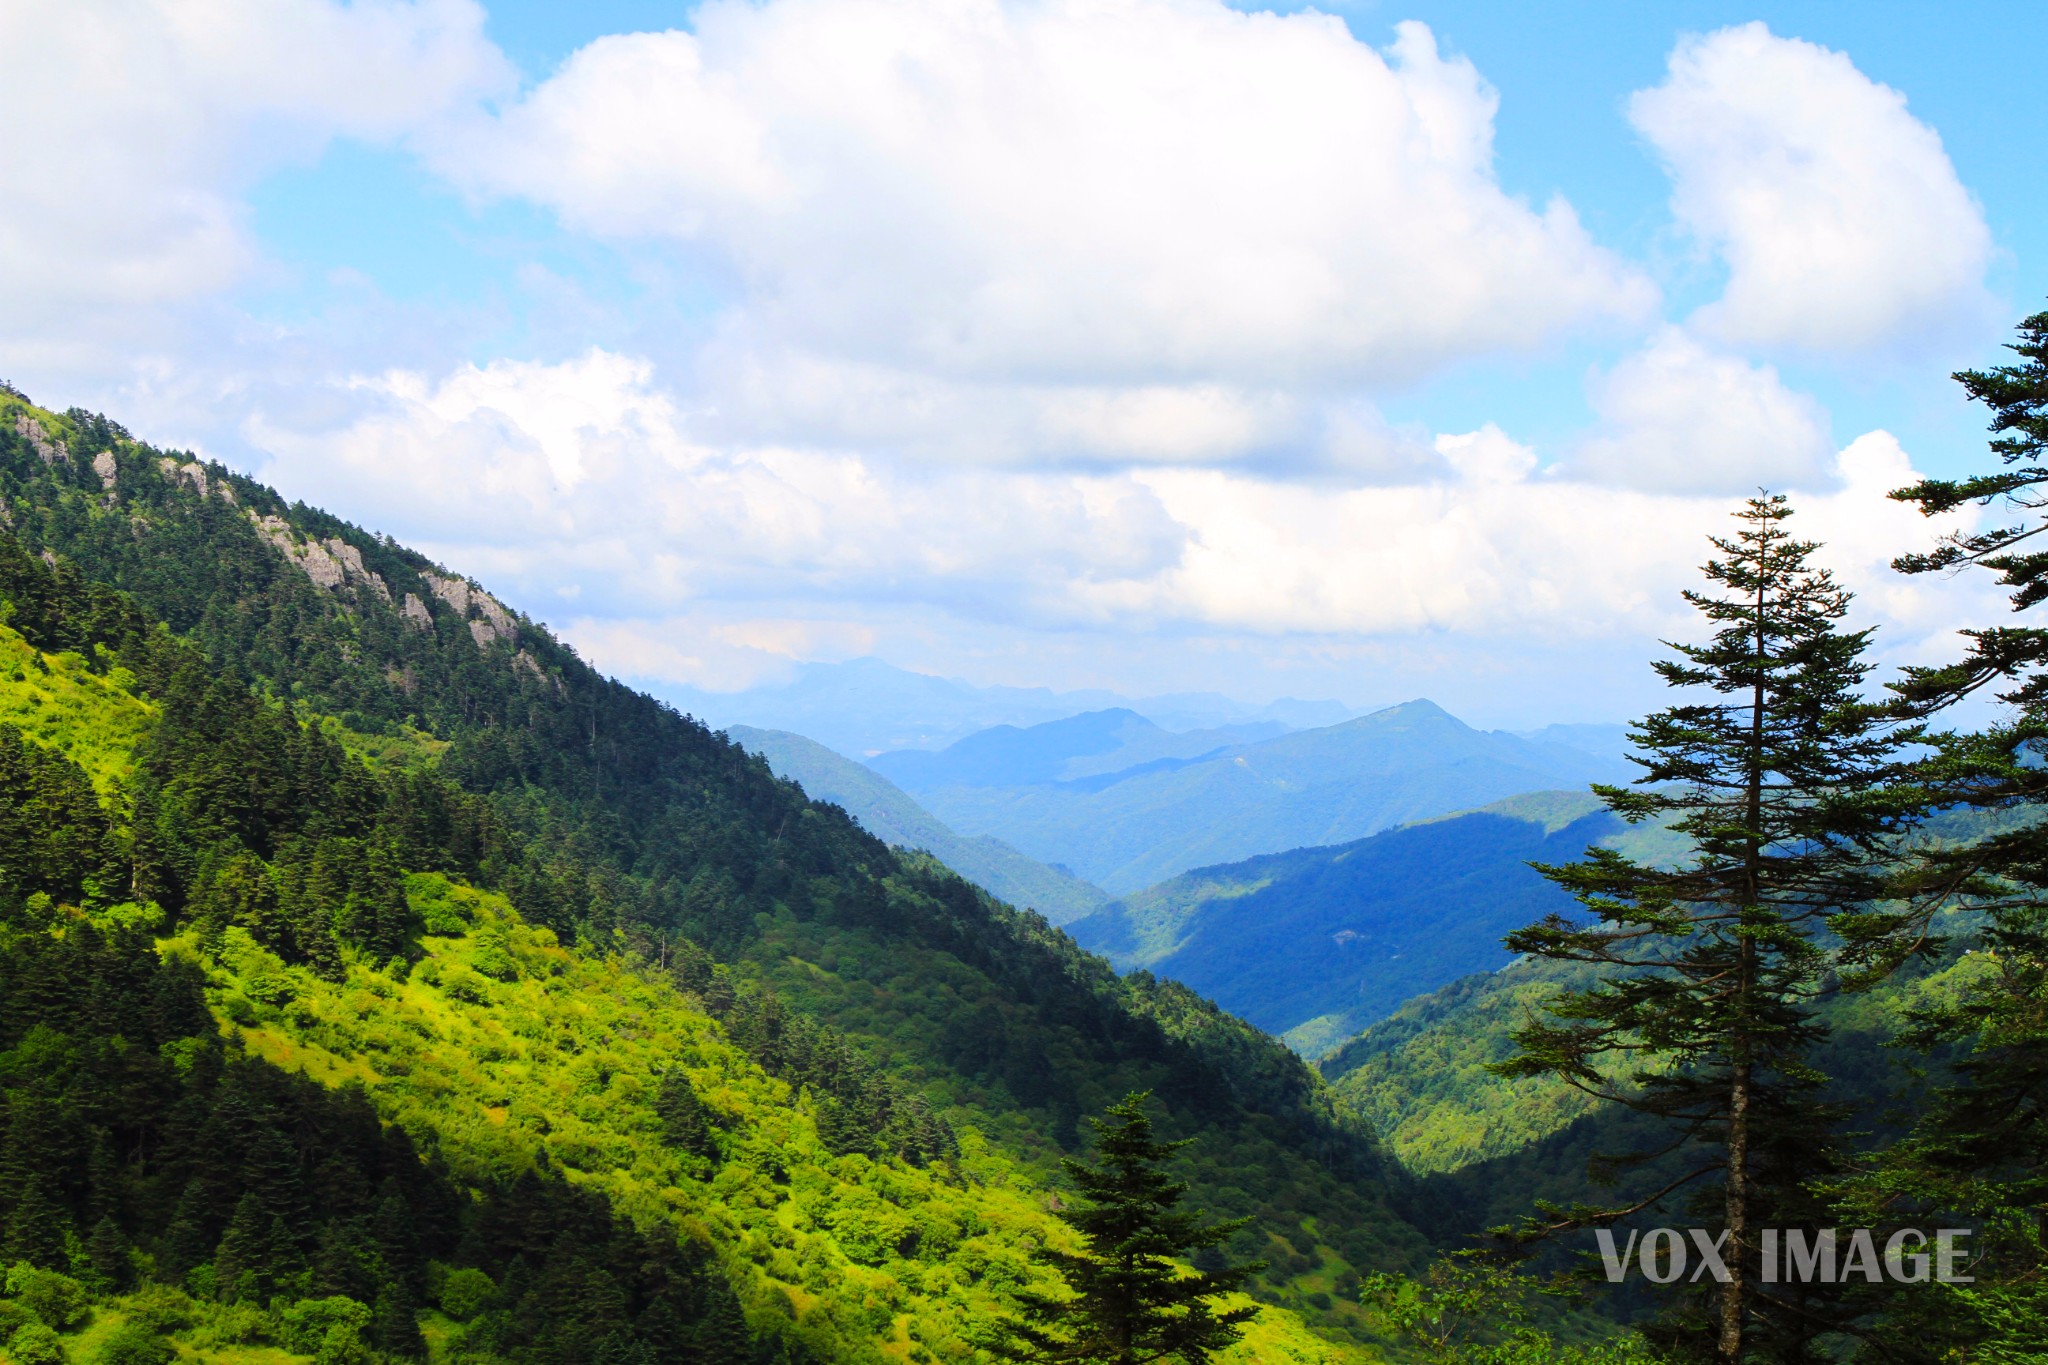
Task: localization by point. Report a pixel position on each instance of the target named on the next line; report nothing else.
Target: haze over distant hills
(1056, 793)
(865, 707)
(1110, 745)
(889, 814)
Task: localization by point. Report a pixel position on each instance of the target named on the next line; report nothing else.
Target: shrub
(132, 1343)
(161, 1307)
(308, 1324)
(234, 1324)
(58, 1300)
(465, 1292)
(35, 1344)
(343, 1345)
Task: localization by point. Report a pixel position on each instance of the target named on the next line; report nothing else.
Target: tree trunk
(1734, 1294)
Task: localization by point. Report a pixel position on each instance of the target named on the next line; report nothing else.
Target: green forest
(379, 982)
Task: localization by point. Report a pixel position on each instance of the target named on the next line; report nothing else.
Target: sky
(1365, 352)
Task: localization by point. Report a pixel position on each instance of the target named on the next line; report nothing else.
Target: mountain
(865, 707)
(887, 812)
(1316, 943)
(1126, 831)
(1604, 741)
(1094, 744)
(550, 941)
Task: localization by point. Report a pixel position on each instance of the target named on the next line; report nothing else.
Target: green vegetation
(1466, 1311)
(1127, 1299)
(1424, 1078)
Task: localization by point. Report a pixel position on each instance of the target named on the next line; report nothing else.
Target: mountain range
(1125, 805)
(865, 707)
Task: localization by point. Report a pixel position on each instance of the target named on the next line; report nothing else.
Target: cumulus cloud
(1678, 417)
(581, 487)
(581, 479)
(1839, 216)
(1169, 206)
(135, 126)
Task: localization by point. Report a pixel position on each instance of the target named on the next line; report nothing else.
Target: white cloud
(134, 127)
(1676, 416)
(580, 488)
(1840, 219)
(582, 475)
(1171, 206)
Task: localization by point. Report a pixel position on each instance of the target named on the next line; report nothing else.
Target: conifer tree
(1774, 770)
(684, 1122)
(1979, 1155)
(1130, 1302)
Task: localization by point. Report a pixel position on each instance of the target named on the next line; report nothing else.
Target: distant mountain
(1156, 819)
(889, 814)
(865, 707)
(1316, 943)
(1606, 741)
(1092, 745)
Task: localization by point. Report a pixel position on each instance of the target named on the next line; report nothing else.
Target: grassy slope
(889, 813)
(52, 699)
(554, 1058)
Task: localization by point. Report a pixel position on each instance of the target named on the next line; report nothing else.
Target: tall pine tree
(1774, 771)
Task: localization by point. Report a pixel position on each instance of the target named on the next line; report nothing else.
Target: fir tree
(1776, 777)
(1978, 1154)
(684, 1122)
(394, 1325)
(1130, 1302)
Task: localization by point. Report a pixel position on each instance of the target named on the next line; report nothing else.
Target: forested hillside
(292, 721)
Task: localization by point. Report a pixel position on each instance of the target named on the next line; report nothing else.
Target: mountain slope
(606, 818)
(1310, 788)
(887, 812)
(772, 1196)
(1316, 943)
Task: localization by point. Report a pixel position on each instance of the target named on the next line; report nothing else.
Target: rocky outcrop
(194, 473)
(30, 430)
(416, 612)
(104, 466)
(332, 563)
(490, 621)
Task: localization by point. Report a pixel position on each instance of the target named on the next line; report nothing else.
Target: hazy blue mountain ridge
(888, 813)
(865, 707)
(1304, 789)
(1092, 745)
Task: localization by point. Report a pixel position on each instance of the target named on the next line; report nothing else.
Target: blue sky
(1124, 343)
